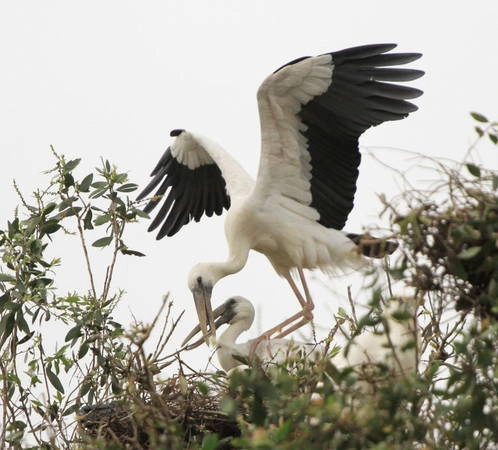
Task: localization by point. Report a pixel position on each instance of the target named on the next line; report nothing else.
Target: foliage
(100, 376)
(36, 400)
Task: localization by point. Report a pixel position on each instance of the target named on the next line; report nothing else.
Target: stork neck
(232, 265)
(229, 337)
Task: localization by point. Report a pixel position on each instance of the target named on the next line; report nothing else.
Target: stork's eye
(199, 280)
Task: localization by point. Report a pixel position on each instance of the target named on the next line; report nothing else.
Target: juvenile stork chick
(238, 313)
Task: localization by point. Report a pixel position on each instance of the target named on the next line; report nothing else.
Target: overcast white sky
(112, 78)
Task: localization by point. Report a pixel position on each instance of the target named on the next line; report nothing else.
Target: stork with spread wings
(312, 111)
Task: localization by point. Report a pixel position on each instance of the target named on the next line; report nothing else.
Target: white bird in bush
(238, 313)
(395, 346)
(367, 348)
(312, 113)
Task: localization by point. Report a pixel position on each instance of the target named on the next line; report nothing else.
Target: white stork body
(287, 238)
(312, 112)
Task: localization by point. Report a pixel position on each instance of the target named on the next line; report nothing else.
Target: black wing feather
(185, 194)
(357, 99)
(361, 51)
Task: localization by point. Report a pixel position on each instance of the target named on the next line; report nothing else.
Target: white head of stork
(312, 112)
(238, 313)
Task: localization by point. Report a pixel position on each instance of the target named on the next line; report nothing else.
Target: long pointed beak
(202, 300)
(215, 315)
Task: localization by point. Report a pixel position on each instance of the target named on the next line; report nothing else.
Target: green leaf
(98, 193)
(87, 220)
(473, 169)
(128, 187)
(54, 380)
(115, 386)
(479, 117)
(203, 388)
(5, 277)
(182, 384)
(126, 251)
(469, 253)
(49, 208)
(7, 325)
(71, 409)
(100, 185)
(25, 338)
(73, 333)
(4, 300)
(32, 223)
(210, 442)
(479, 131)
(67, 202)
(121, 178)
(283, 431)
(71, 165)
(13, 227)
(83, 350)
(85, 388)
(409, 345)
(36, 247)
(100, 220)
(368, 321)
(43, 281)
(69, 212)
(228, 405)
(68, 180)
(493, 138)
(21, 322)
(140, 213)
(85, 184)
(50, 227)
(401, 315)
(103, 242)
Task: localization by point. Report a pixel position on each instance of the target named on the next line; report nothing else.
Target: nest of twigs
(186, 409)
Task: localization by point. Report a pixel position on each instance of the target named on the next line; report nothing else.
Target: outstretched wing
(312, 112)
(189, 184)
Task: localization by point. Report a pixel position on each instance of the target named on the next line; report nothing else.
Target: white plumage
(238, 313)
(390, 348)
(312, 112)
(269, 351)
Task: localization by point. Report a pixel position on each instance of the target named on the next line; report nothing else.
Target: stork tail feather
(371, 246)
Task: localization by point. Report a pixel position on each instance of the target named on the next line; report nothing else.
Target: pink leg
(293, 318)
(303, 316)
(307, 309)
(305, 287)
(294, 327)
(267, 334)
(295, 289)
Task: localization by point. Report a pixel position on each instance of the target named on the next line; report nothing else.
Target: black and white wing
(188, 184)
(313, 111)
